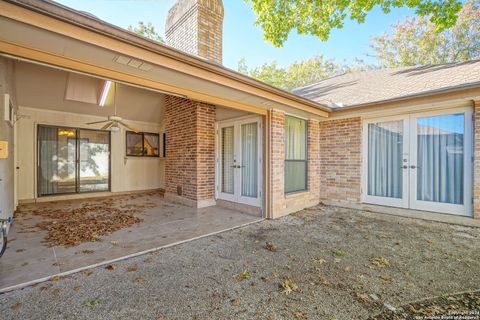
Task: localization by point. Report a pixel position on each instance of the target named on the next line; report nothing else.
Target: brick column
(277, 165)
(476, 162)
(314, 159)
(190, 148)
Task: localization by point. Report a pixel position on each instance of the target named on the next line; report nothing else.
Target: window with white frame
(295, 154)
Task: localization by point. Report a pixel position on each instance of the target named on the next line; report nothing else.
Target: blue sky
(243, 39)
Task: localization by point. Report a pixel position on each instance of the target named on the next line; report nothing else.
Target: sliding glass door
(420, 161)
(72, 160)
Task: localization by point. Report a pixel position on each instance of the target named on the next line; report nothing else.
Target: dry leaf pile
(72, 226)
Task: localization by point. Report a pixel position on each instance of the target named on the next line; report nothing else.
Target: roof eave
(80, 19)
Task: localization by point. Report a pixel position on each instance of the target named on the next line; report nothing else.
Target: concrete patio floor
(29, 258)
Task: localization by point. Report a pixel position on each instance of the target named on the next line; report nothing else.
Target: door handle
(413, 167)
(404, 167)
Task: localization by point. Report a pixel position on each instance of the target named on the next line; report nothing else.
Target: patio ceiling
(33, 91)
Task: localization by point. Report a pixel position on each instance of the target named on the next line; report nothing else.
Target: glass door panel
(385, 161)
(94, 160)
(440, 158)
(56, 160)
(438, 172)
(228, 160)
(249, 164)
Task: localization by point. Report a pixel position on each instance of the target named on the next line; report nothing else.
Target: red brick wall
(476, 163)
(340, 160)
(190, 148)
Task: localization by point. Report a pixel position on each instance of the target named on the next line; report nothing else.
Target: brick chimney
(196, 27)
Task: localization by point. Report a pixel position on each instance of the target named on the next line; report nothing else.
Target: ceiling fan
(114, 121)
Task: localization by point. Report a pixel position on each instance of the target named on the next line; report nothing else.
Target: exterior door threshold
(245, 208)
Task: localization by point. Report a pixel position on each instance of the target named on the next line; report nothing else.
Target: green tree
(415, 41)
(146, 30)
(318, 17)
(299, 73)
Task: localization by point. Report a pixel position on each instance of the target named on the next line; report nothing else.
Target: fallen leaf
(77, 288)
(363, 297)
(111, 267)
(347, 269)
(92, 303)
(299, 315)
(386, 278)
(139, 280)
(338, 253)
(55, 278)
(87, 251)
(149, 260)
(412, 309)
(288, 286)
(245, 274)
(87, 272)
(235, 302)
(56, 291)
(16, 306)
(270, 246)
(383, 236)
(323, 280)
(132, 269)
(114, 242)
(319, 260)
(380, 262)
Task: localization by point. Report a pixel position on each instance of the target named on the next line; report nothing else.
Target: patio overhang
(48, 33)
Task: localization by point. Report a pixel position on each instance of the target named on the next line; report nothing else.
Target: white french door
(421, 161)
(239, 150)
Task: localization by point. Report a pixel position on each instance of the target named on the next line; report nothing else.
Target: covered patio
(36, 254)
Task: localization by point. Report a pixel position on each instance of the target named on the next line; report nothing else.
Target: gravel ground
(326, 263)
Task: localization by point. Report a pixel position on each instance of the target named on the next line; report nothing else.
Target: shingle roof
(379, 85)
